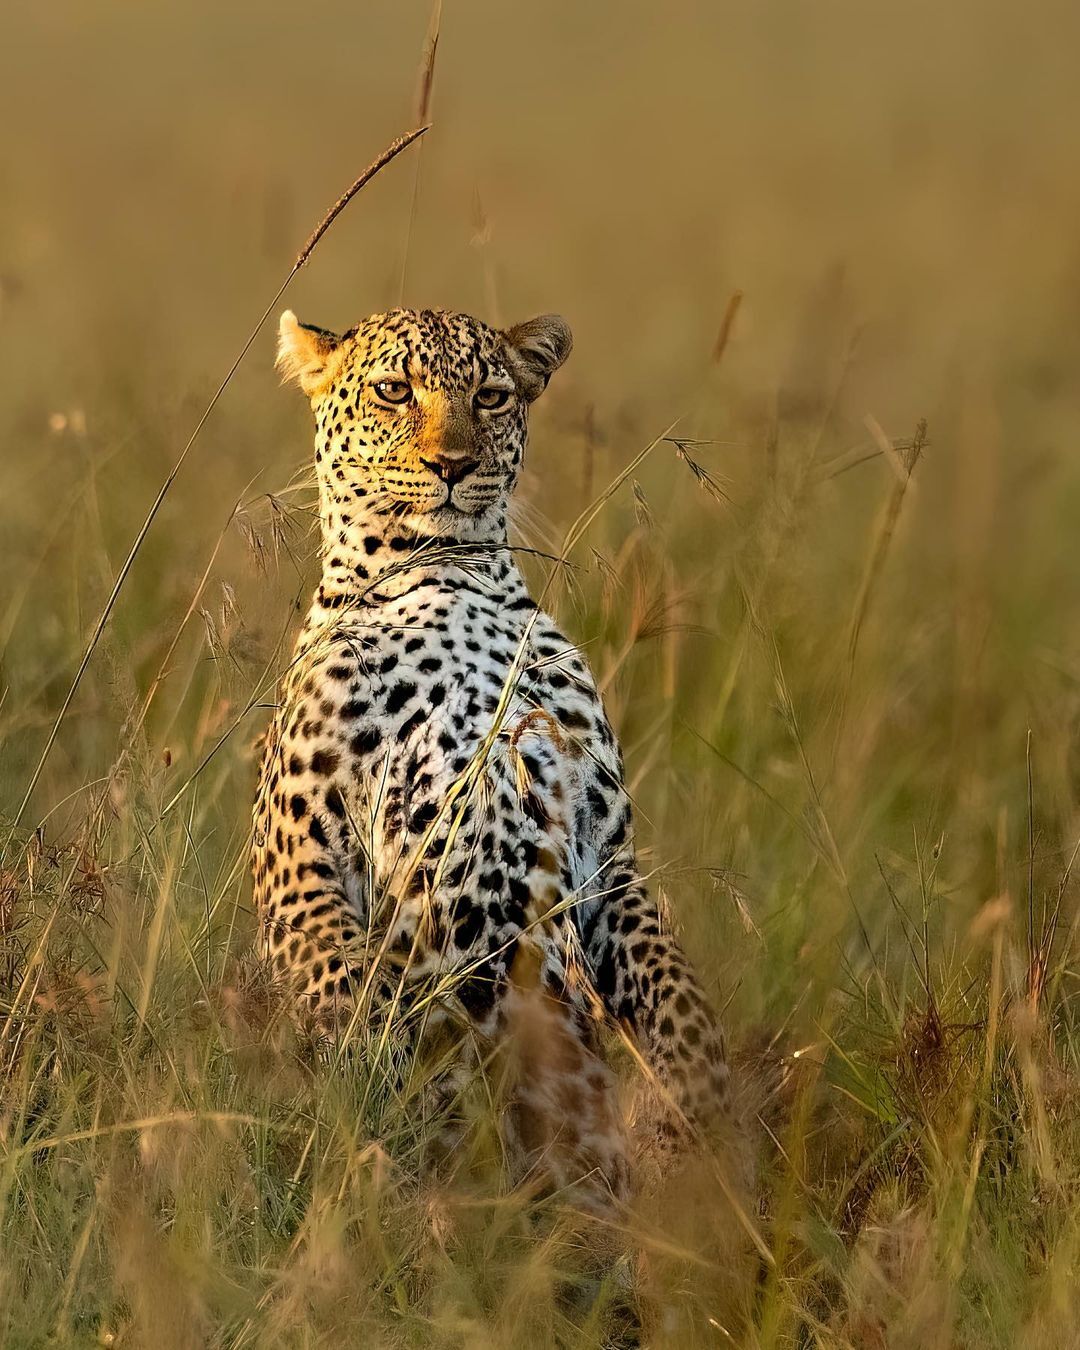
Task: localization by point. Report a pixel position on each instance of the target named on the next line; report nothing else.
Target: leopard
(442, 804)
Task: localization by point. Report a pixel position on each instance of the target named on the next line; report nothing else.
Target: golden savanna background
(825, 259)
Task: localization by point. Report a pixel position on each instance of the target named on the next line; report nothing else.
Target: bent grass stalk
(376, 166)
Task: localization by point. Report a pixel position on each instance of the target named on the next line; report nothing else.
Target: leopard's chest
(403, 700)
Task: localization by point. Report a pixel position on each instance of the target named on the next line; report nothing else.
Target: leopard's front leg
(310, 931)
(648, 984)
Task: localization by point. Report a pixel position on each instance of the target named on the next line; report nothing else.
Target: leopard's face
(422, 415)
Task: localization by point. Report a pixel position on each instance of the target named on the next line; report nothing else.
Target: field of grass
(825, 259)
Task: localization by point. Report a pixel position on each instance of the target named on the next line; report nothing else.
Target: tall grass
(839, 646)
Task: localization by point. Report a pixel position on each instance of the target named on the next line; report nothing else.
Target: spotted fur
(441, 796)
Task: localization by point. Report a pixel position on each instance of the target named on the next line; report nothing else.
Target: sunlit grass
(839, 646)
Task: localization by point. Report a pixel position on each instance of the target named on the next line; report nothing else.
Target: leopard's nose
(450, 468)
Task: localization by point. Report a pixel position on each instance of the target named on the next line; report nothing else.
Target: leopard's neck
(370, 556)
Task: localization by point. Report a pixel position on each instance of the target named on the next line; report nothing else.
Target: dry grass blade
(1032, 994)
(642, 509)
(1049, 932)
(376, 166)
(425, 85)
(391, 152)
(886, 526)
(727, 324)
(708, 481)
(48, 1143)
(427, 63)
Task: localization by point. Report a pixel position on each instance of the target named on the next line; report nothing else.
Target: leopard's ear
(304, 352)
(538, 348)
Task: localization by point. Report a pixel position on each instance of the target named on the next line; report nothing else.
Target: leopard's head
(421, 415)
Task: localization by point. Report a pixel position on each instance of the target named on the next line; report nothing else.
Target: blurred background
(793, 230)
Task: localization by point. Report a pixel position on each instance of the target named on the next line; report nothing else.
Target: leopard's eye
(392, 391)
(491, 397)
